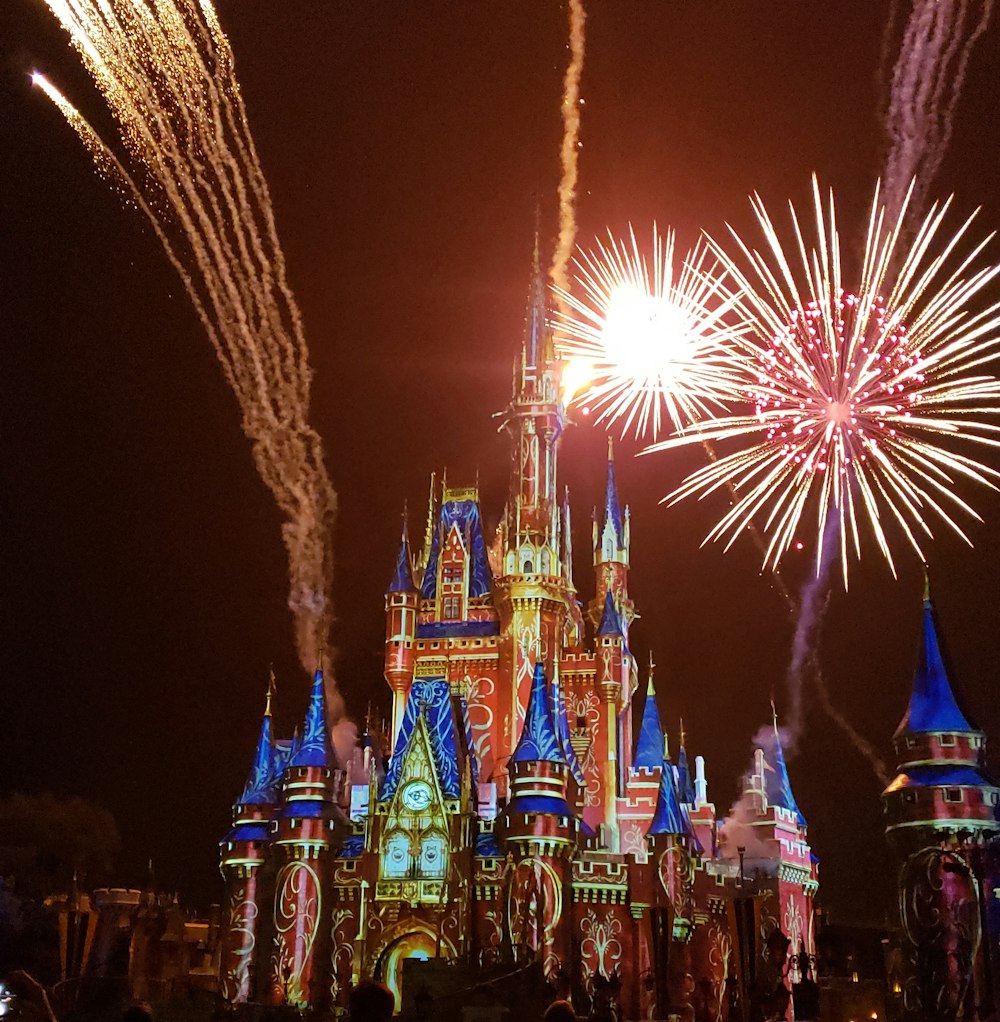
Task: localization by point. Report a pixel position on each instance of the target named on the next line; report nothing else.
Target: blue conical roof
(264, 782)
(611, 623)
(933, 706)
(539, 740)
(612, 509)
(314, 747)
(649, 748)
(562, 733)
(778, 786)
(402, 577)
(668, 818)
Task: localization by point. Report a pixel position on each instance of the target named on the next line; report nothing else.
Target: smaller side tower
(940, 816)
(541, 830)
(304, 830)
(243, 852)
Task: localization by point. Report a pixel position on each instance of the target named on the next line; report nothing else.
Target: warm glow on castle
(511, 819)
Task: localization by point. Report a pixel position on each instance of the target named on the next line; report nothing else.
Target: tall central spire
(534, 419)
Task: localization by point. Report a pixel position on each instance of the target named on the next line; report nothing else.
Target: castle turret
(942, 786)
(611, 679)
(401, 603)
(304, 831)
(540, 828)
(940, 816)
(242, 853)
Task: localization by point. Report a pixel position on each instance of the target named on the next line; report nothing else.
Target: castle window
(953, 794)
(946, 740)
(451, 608)
(909, 796)
(396, 856)
(993, 798)
(433, 855)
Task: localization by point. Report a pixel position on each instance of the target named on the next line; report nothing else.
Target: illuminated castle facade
(510, 815)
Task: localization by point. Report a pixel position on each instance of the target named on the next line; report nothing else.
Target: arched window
(396, 855)
(433, 855)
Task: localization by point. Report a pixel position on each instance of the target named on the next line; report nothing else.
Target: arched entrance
(420, 944)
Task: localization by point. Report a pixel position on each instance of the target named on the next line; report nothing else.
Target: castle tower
(540, 829)
(531, 592)
(304, 832)
(243, 851)
(401, 602)
(940, 813)
(611, 684)
(672, 846)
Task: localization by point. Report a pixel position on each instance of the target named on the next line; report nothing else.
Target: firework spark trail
(644, 339)
(166, 71)
(855, 401)
(926, 84)
(569, 153)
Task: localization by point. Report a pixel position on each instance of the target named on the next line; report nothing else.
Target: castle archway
(421, 944)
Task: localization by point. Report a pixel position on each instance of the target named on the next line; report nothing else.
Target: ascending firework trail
(926, 83)
(570, 150)
(166, 71)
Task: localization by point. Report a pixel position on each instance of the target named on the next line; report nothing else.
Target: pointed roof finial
(611, 448)
(270, 690)
(774, 715)
(927, 586)
(683, 732)
(650, 690)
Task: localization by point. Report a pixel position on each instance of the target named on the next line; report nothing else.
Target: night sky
(406, 145)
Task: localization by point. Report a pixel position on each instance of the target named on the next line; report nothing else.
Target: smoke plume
(570, 152)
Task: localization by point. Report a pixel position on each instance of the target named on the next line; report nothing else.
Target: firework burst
(641, 338)
(858, 402)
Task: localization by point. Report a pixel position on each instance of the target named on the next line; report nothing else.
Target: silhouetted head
(371, 1002)
(560, 1011)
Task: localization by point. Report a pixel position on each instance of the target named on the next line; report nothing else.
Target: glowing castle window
(396, 857)
(433, 855)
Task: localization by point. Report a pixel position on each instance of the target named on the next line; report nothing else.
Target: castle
(510, 816)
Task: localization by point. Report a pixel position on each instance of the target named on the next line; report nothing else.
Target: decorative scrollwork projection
(296, 920)
(600, 948)
(241, 944)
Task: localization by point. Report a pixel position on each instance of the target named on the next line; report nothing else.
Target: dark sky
(405, 144)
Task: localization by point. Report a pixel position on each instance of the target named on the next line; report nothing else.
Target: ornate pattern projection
(587, 707)
(534, 906)
(432, 697)
(342, 956)
(296, 920)
(479, 692)
(241, 945)
(600, 949)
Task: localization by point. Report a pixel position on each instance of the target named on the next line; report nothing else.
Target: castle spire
(933, 706)
(685, 787)
(612, 533)
(668, 818)
(315, 748)
(611, 623)
(402, 578)
(263, 783)
(650, 750)
(539, 741)
(778, 785)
